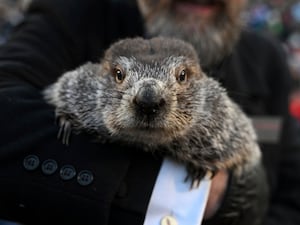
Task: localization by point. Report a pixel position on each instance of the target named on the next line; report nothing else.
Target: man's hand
(216, 194)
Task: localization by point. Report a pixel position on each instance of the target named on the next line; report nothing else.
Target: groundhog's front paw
(65, 129)
(195, 175)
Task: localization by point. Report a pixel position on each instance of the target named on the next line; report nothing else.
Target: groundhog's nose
(148, 101)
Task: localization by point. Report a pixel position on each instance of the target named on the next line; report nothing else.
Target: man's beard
(212, 42)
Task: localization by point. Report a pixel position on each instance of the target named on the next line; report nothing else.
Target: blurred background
(280, 18)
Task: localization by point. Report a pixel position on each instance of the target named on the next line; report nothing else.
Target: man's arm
(50, 41)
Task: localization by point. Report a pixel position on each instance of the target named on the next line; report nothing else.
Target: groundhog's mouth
(148, 127)
(150, 135)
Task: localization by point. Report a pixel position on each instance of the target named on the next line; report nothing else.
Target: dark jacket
(43, 181)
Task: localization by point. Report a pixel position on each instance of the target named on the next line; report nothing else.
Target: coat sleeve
(55, 36)
(47, 43)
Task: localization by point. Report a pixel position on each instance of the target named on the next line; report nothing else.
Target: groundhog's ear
(203, 75)
(105, 63)
(104, 68)
(200, 75)
(196, 70)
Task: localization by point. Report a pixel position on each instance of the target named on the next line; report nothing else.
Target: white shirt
(173, 201)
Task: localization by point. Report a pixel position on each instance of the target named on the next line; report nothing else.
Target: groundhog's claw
(196, 175)
(64, 130)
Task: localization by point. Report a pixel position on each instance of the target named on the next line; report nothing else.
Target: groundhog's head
(155, 85)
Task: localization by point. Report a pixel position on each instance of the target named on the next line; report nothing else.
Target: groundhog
(153, 94)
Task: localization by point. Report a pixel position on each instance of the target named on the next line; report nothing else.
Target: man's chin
(212, 42)
(213, 29)
(207, 13)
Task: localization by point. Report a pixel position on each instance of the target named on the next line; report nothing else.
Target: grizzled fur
(153, 93)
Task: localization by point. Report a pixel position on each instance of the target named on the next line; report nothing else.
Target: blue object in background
(258, 16)
(295, 12)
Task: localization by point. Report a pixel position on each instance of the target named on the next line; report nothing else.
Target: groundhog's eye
(119, 75)
(182, 76)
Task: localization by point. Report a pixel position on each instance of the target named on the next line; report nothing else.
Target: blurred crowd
(281, 18)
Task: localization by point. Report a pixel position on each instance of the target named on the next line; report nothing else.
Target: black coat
(43, 181)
